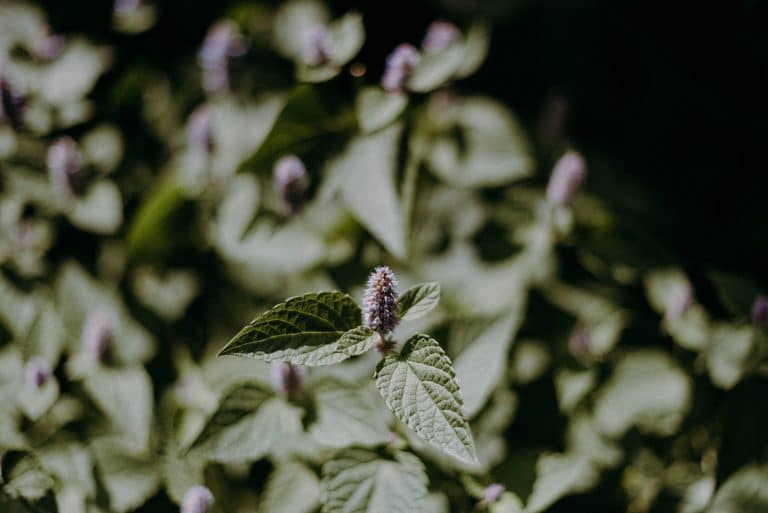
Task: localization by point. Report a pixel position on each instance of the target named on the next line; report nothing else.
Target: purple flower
(12, 101)
(97, 335)
(380, 301)
(493, 493)
(65, 167)
(287, 379)
(37, 372)
(566, 178)
(440, 35)
(400, 64)
(199, 131)
(197, 499)
(291, 182)
(759, 312)
(681, 300)
(222, 43)
(317, 46)
(578, 343)
(47, 46)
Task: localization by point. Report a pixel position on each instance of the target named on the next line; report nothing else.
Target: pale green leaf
(558, 475)
(572, 386)
(476, 45)
(292, 21)
(419, 386)
(731, 353)
(647, 390)
(26, 478)
(436, 69)
(358, 481)
(129, 481)
(418, 301)
(377, 108)
(100, 210)
(304, 330)
(357, 341)
(746, 491)
(291, 488)
(347, 36)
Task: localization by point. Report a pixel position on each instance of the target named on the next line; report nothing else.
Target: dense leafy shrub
(185, 320)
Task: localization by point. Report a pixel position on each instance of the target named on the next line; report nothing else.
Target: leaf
(481, 366)
(26, 478)
(291, 488)
(358, 481)
(357, 341)
(558, 475)
(304, 330)
(291, 23)
(730, 354)
(419, 386)
(436, 69)
(364, 174)
(377, 108)
(45, 337)
(237, 403)
(572, 386)
(348, 415)
(647, 390)
(100, 211)
(129, 481)
(746, 491)
(475, 50)
(347, 36)
(418, 301)
(125, 397)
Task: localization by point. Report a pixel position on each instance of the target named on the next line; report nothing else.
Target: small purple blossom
(97, 335)
(316, 48)
(287, 379)
(380, 301)
(65, 167)
(197, 499)
(199, 130)
(47, 46)
(579, 342)
(493, 493)
(222, 43)
(291, 182)
(440, 35)
(682, 299)
(12, 101)
(566, 178)
(400, 64)
(37, 372)
(759, 312)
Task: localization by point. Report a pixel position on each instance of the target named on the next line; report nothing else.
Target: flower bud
(97, 335)
(759, 312)
(199, 131)
(65, 168)
(222, 43)
(680, 301)
(440, 35)
(12, 102)
(380, 301)
(291, 182)
(493, 493)
(566, 178)
(287, 378)
(400, 64)
(37, 372)
(197, 499)
(578, 343)
(316, 49)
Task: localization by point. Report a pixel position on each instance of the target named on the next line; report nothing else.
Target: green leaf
(100, 210)
(377, 108)
(436, 69)
(357, 341)
(731, 353)
(292, 488)
(348, 415)
(746, 491)
(358, 481)
(558, 475)
(347, 36)
(304, 330)
(239, 402)
(129, 481)
(648, 390)
(476, 46)
(419, 386)
(364, 174)
(25, 478)
(481, 366)
(125, 397)
(418, 301)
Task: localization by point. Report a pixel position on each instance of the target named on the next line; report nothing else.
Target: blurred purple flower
(566, 178)
(440, 35)
(317, 46)
(222, 43)
(380, 301)
(12, 101)
(493, 493)
(579, 342)
(287, 378)
(47, 46)
(197, 499)
(681, 300)
(199, 131)
(37, 372)
(759, 312)
(400, 64)
(65, 167)
(97, 335)
(291, 182)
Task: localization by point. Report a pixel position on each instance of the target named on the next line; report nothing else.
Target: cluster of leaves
(577, 365)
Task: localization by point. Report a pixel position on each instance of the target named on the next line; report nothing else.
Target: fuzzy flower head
(97, 335)
(566, 178)
(316, 48)
(380, 301)
(400, 64)
(65, 168)
(291, 182)
(222, 43)
(199, 131)
(37, 372)
(287, 379)
(440, 35)
(493, 493)
(197, 499)
(759, 312)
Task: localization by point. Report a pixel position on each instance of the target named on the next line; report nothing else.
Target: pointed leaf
(291, 488)
(418, 301)
(419, 386)
(377, 108)
(357, 341)
(303, 330)
(358, 481)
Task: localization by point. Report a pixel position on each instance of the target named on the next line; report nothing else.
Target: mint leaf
(358, 481)
(304, 330)
(418, 300)
(377, 108)
(356, 341)
(292, 488)
(419, 386)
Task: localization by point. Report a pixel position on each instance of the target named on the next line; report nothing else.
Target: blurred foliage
(611, 350)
